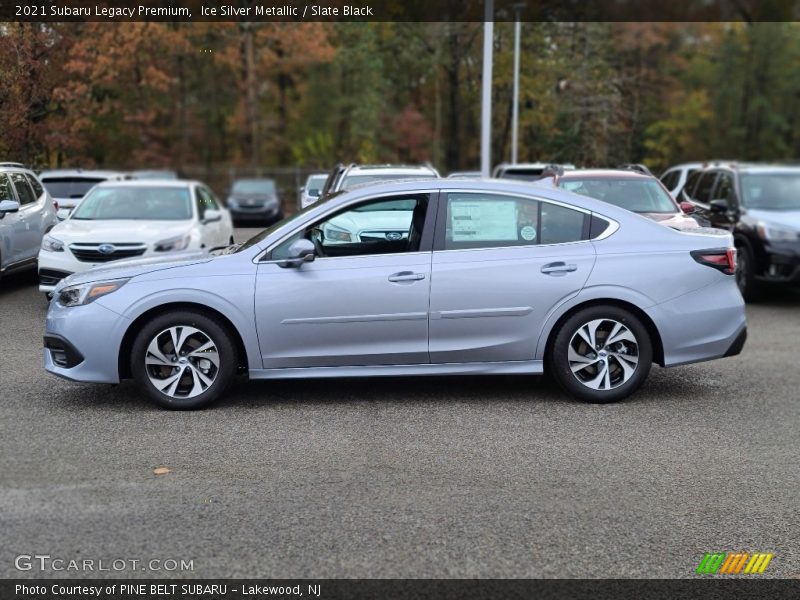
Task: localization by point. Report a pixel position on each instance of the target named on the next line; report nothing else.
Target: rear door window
(37, 187)
(24, 191)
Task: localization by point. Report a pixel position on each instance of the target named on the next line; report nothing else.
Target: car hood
(379, 219)
(127, 268)
(677, 220)
(119, 231)
(790, 218)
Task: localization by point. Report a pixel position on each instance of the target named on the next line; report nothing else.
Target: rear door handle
(406, 276)
(557, 268)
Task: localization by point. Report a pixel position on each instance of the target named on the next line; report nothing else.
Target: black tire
(745, 274)
(559, 363)
(211, 329)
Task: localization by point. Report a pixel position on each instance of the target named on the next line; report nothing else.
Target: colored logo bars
(733, 563)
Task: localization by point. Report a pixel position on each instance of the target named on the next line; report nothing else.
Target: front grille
(383, 236)
(51, 276)
(106, 252)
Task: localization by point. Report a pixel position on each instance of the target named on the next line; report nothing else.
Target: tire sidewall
(217, 333)
(559, 363)
(746, 259)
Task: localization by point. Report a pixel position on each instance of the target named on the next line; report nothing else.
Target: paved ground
(452, 477)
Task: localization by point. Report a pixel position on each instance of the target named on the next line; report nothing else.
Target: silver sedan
(489, 277)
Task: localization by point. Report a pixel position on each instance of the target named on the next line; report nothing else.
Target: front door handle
(558, 268)
(406, 276)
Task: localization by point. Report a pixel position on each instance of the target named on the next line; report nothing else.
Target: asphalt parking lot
(445, 477)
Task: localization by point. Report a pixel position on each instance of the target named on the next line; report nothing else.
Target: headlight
(86, 293)
(777, 233)
(176, 243)
(337, 234)
(51, 244)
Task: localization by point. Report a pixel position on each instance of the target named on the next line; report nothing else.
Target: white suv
(27, 213)
(128, 219)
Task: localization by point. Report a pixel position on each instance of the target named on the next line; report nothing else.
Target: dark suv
(760, 205)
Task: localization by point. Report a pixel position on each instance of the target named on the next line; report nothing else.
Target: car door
(30, 238)
(11, 226)
(724, 189)
(363, 300)
(215, 233)
(501, 263)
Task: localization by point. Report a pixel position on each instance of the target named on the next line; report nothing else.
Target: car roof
(756, 168)
(137, 183)
(77, 173)
(604, 174)
(391, 169)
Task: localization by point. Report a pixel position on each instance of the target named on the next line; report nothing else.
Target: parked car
(127, 219)
(760, 205)
(155, 174)
(628, 189)
(68, 186)
(491, 277)
(348, 177)
(255, 200)
(675, 177)
(27, 213)
(526, 171)
(310, 191)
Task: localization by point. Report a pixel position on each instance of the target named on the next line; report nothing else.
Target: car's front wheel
(601, 354)
(745, 274)
(183, 360)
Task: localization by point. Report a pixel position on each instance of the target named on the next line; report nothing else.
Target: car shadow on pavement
(16, 282)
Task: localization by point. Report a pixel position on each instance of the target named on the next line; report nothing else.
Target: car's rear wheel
(183, 360)
(745, 274)
(601, 354)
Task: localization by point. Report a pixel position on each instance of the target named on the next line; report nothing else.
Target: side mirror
(211, 216)
(301, 251)
(9, 206)
(719, 205)
(687, 207)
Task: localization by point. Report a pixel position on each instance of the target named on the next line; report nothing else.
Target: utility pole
(515, 108)
(486, 102)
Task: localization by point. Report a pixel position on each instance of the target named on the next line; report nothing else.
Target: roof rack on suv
(638, 167)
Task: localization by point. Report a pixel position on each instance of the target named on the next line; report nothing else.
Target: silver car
(27, 213)
(492, 277)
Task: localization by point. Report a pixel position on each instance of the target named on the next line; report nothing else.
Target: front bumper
(84, 342)
(243, 213)
(780, 264)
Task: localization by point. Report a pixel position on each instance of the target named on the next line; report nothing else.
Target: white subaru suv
(129, 219)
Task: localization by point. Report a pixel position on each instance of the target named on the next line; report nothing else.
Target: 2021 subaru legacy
(492, 277)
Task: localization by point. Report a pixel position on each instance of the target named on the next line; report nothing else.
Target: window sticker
(482, 220)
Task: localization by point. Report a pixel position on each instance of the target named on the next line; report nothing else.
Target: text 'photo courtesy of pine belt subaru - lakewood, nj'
(492, 277)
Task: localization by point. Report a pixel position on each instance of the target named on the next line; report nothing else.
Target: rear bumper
(702, 325)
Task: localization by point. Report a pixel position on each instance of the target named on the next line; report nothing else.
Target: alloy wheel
(603, 354)
(182, 362)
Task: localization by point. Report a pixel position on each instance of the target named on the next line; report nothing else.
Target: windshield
(635, 195)
(355, 180)
(254, 186)
(70, 187)
(771, 191)
(136, 203)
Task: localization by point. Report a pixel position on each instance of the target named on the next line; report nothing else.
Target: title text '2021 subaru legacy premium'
(491, 277)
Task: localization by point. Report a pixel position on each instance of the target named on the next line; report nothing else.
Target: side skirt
(521, 367)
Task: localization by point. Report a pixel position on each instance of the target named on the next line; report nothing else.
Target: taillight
(722, 259)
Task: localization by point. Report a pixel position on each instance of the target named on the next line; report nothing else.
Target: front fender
(236, 305)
